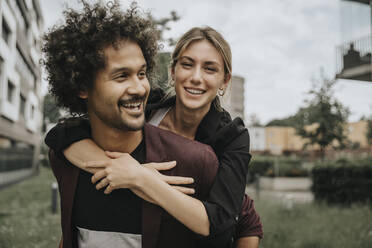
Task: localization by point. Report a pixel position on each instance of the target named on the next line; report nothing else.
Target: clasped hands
(123, 171)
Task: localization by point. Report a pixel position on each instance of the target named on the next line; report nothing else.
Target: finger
(185, 190)
(96, 164)
(114, 154)
(103, 183)
(177, 180)
(108, 189)
(99, 175)
(162, 166)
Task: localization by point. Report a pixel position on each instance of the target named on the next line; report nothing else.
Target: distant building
(258, 138)
(21, 24)
(357, 133)
(233, 100)
(278, 140)
(354, 55)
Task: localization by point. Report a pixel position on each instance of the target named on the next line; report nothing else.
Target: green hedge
(287, 167)
(343, 182)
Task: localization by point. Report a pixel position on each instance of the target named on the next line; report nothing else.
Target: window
(23, 106)
(24, 20)
(11, 92)
(24, 67)
(32, 113)
(35, 83)
(6, 31)
(1, 66)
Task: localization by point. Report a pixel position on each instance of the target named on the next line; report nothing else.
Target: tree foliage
(254, 120)
(162, 25)
(51, 111)
(163, 58)
(369, 131)
(322, 121)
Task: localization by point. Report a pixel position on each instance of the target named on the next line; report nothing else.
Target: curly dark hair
(73, 51)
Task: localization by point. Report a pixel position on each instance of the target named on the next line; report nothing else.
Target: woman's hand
(123, 171)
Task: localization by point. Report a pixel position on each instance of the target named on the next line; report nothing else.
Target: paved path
(284, 196)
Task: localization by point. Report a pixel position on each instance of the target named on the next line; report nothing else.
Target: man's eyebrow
(127, 69)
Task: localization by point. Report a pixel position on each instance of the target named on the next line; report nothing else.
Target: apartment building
(354, 54)
(233, 100)
(277, 140)
(21, 24)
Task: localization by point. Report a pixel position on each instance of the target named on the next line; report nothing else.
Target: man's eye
(142, 74)
(122, 76)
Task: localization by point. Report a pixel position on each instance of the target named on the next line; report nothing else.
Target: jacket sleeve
(223, 205)
(67, 132)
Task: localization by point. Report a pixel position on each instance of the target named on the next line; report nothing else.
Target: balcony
(354, 60)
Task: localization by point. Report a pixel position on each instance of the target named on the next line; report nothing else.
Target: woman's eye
(211, 69)
(187, 65)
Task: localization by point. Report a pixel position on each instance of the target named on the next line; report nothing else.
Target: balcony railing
(353, 54)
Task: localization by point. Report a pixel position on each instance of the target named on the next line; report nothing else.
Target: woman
(200, 71)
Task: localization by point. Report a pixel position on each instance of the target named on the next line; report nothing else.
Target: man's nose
(137, 87)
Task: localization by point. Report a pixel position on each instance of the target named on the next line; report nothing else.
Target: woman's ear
(227, 80)
(172, 73)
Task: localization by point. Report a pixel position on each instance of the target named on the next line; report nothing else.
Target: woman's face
(198, 74)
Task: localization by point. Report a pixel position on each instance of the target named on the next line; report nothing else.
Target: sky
(279, 47)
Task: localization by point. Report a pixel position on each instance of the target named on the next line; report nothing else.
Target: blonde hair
(216, 39)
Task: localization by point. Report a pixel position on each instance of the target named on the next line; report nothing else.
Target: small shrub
(343, 181)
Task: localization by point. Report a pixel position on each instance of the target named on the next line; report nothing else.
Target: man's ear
(83, 94)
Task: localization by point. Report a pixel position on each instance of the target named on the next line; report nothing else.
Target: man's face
(120, 90)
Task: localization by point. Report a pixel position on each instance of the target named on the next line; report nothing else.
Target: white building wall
(233, 100)
(258, 138)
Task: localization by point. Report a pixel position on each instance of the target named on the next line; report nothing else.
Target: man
(98, 64)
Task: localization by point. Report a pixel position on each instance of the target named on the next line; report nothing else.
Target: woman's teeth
(195, 92)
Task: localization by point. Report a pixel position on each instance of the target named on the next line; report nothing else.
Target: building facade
(21, 24)
(233, 100)
(354, 54)
(277, 140)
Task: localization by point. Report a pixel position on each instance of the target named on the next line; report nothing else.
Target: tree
(369, 131)
(51, 112)
(162, 26)
(289, 121)
(322, 121)
(254, 121)
(163, 58)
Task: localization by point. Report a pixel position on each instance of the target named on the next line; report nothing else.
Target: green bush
(287, 167)
(343, 181)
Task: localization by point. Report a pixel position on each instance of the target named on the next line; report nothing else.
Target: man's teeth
(193, 91)
(131, 105)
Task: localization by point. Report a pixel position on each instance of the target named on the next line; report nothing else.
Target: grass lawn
(25, 214)
(315, 225)
(26, 220)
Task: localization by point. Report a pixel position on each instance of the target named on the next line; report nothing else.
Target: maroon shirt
(249, 223)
